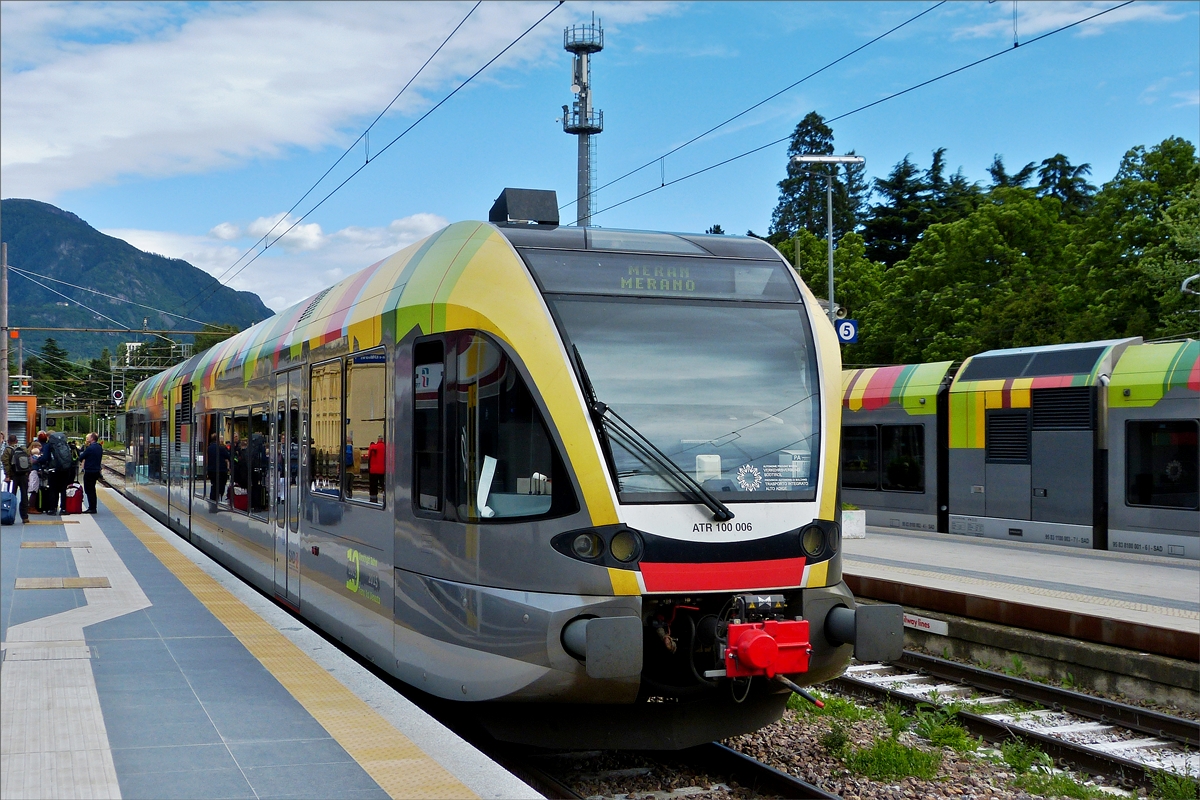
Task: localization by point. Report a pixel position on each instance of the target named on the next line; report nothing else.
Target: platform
(134, 666)
(1153, 591)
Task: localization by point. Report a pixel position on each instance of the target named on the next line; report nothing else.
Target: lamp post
(834, 160)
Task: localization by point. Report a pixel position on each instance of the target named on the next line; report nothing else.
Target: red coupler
(774, 647)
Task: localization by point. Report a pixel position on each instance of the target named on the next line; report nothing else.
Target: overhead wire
(27, 273)
(389, 145)
(351, 148)
(760, 103)
(866, 106)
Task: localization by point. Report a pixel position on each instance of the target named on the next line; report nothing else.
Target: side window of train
(505, 464)
(427, 441)
(240, 461)
(902, 450)
(860, 457)
(366, 426)
(328, 452)
(259, 465)
(1162, 463)
(154, 451)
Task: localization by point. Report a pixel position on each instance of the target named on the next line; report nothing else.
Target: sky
(190, 129)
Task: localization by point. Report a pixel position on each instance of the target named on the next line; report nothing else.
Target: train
(1088, 445)
(582, 479)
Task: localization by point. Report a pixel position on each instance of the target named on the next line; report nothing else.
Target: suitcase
(8, 508)
(74, 499)
(239, 498)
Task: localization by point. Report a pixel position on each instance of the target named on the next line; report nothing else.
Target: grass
(940, 726)
(1057, 784)
(888, 759)
(835, 739)
(894, 718)
(1017, 668)
(1170, 786)
(1022, 757)
(835, 707)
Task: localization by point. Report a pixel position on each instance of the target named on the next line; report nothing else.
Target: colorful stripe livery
(914, 387)
(1146, 373)
(970, 400)
(466, 276)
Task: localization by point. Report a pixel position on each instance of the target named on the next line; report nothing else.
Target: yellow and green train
(1091, 445)
(580, 470)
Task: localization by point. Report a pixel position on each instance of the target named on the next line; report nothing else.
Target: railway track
(715, 767)
(1092, 734)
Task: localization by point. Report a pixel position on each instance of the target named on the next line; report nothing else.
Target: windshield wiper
(606, 418)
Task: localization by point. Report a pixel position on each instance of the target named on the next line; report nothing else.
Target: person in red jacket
(376, 467)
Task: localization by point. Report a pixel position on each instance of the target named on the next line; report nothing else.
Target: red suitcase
(74, 499)
(240, 499)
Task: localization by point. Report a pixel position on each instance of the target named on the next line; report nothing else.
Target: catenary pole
(4, 340)
(829, 239)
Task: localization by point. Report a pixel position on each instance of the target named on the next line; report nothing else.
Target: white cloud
(1037, 18)
(286, 274)
(97, 92)
(225, 231)
(1188, 98)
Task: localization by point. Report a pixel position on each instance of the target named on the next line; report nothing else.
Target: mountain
(49, 241)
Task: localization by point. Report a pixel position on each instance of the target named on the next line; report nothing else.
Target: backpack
(21, 460)
(60, 451)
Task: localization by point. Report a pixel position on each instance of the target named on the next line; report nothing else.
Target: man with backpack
(17, 465)
(57, 457)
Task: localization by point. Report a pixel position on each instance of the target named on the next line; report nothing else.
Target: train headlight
(587, 545)
(812, 541)
(625, 546)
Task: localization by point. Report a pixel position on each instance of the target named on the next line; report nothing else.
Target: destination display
(592, 272)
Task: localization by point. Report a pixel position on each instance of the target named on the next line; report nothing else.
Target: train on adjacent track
(1090, 445)
(586, 478)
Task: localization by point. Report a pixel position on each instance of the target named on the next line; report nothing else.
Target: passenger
(92, 455)
(73, 472)
(218, 468)
(376, 466)
(35, 479)
(56, 459)
(348, 472)
(14, 456)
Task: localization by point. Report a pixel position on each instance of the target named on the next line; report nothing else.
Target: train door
(285, 483)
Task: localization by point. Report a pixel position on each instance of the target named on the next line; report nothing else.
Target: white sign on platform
(926, 624)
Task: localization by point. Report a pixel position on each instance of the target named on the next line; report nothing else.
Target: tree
(802, 193)
(1057, 178)
(893, 225)
(219, 333)
(1002, 179)
(1137, 242)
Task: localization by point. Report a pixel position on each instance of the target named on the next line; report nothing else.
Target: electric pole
(581, 119)
(4, 340)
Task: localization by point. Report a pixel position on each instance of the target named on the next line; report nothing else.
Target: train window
(259, 461)
(239, 460)
(428, 367)
(199, 476)
(860, 457)
(1162, 463)
(366, 429)
(902, 449)
(329, 452)
(505, 461)
(154, 451)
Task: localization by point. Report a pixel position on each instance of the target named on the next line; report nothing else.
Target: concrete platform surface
(161, 675)
(1148, 590)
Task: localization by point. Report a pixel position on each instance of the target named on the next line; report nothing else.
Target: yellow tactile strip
(84, 545)
(63, 583)
(388, 756)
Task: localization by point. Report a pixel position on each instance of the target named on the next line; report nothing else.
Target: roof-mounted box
(538, 206)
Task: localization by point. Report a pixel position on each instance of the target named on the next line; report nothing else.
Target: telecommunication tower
(581, 119)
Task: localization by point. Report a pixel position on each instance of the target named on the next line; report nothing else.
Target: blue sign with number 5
(847, 331)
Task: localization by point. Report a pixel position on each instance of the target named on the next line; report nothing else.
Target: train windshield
(727, 391)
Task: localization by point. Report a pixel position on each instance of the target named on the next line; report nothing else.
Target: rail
(1168, 743)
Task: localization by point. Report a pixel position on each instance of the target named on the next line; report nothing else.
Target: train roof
(1050, 366)
(1148, 372)
(358, 306)
(914, 387)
